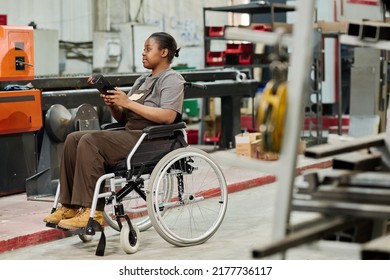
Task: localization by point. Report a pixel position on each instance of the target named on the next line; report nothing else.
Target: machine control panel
(16, 53)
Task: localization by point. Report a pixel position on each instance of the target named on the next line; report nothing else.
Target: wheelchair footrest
(88, 230)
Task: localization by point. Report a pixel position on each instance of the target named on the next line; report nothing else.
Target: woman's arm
(171, 92)
(116, 111)
(119, 100)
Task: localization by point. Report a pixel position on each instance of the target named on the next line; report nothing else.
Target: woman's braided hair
(166, 41)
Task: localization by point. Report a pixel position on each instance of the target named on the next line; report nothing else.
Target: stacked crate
(235, 52)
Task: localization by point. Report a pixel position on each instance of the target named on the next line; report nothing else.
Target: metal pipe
(300, 62)
(268, 38)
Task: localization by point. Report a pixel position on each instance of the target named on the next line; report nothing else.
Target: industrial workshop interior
(282, 151)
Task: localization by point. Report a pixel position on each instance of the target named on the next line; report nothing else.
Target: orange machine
(16, 53)
(20, 110)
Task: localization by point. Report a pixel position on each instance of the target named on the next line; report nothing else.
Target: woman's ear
(164, 52)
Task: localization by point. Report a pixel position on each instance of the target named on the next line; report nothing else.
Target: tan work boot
(81, 219)
(60, 214)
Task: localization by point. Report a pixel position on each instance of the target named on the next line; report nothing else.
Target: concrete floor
(247, 225)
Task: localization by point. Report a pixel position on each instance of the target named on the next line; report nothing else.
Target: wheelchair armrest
(163, 130)
(113, 126)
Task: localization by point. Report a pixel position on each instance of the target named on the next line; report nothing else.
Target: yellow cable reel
(271, 115)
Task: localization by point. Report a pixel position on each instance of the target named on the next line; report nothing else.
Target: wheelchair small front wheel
(197, 200)
(135, 208)
(85, 237)
(129, 240)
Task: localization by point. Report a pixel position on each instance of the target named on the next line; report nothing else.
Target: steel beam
(122, 80)
(313, 232)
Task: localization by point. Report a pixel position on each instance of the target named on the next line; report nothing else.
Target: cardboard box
(301, 147)
(248, 144)
(268, 156)
(247, 137)
(251, 150)
(212, 125)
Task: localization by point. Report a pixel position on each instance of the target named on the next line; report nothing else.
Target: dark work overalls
(87, 154)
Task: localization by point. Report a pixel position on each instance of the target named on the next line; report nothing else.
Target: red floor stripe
(32, 239)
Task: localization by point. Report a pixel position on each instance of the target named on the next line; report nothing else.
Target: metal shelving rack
(260, 7)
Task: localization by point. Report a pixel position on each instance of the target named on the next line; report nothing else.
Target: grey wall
(77, 20)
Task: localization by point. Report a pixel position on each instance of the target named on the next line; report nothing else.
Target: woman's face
(152, 55)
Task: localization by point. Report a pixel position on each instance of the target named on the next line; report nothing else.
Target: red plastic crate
(234, 48)
(248, 124)
(215, 58)
(216, 31)
(327, 121)
(245, 59)
(262, 27)
(192, 136)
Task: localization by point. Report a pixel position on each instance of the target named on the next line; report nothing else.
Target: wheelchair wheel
(129, 240)
(135, 207)
(197, 200)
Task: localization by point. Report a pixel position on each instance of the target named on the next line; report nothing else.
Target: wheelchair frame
(184, 208)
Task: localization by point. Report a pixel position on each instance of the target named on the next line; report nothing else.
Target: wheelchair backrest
(157, 142)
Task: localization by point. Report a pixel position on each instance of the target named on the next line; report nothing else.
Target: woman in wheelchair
(155, 98)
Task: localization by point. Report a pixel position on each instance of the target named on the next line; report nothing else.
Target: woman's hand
(115, 98)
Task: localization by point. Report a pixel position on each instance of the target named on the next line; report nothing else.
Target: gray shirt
(168, 90)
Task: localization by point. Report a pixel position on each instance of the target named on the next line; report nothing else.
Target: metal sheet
(323, 228)
(357, 161)
(326, 150)
(253, 8)
(367, 195)
(343, 208)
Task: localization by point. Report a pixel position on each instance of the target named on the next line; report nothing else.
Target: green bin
(191, 108)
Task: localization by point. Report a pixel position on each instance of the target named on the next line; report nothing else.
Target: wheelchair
(165, 183)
